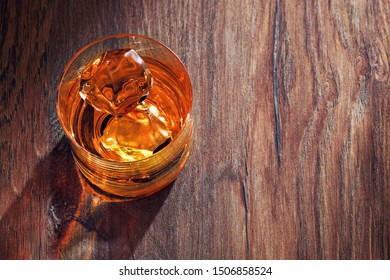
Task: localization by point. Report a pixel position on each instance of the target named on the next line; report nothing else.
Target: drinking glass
(141, 177)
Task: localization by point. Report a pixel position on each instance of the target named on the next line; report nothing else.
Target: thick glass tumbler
(124, 102)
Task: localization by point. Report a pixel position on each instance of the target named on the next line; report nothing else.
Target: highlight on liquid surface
(125, 108)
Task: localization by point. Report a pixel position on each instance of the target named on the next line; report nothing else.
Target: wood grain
(291, 141)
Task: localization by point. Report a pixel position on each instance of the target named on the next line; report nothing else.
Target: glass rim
(99, 158)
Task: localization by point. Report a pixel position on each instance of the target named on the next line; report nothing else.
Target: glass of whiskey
(124, 102)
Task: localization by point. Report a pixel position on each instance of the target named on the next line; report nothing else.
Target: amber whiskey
(124, 108)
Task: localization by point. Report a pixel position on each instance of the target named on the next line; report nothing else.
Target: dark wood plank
(291, 140)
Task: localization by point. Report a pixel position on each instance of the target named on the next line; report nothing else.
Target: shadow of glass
(56, 217)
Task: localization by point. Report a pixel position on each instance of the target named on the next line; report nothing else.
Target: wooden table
(291, 155)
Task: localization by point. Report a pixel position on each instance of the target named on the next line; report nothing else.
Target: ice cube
(136, 135)
(115, 82)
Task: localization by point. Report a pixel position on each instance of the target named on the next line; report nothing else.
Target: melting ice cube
(116, 82)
